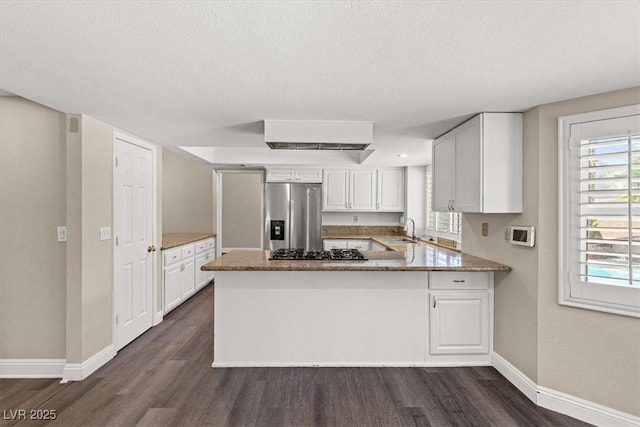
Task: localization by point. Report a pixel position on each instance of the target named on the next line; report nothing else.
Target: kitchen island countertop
(421, 256)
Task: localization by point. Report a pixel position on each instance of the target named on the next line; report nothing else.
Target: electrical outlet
(355, 219)
(62, 233)
(485, 229)
(105, 233)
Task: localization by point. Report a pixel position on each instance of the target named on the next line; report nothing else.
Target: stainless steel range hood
(317, 134)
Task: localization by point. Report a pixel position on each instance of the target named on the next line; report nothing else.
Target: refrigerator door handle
(292, 225)
(307, 237)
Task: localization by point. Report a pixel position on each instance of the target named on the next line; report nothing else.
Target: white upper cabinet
(335, 190)
(390, 194)
(307, 175)
(364, 190)
(294, 175)
(279, 175)
(362, 195)
(477, 167)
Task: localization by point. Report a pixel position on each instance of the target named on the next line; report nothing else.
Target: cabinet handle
(434, 302)
(181, 267)
(458, 281)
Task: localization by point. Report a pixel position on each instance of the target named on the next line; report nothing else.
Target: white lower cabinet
(460, 313)
(172, 278)
(459, 323)
(203, 277)
(181, 274)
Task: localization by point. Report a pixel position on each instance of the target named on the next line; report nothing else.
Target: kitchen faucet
(413, 229)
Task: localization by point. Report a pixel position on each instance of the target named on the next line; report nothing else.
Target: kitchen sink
(399, 240)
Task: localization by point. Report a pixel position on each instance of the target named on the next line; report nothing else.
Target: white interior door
(133, 256)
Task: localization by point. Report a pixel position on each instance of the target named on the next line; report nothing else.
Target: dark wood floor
(165, 378)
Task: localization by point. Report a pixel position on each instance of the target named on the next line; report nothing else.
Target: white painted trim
(620, 304)
(218, 213)
(515, 377)
(563, 403)
(158, 317)
(31, 368)
(584, 410)
(80, 371)
(434, 364)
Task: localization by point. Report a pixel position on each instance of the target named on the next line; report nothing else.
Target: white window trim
(564, 212)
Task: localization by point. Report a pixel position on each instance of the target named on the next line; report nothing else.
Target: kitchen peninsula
(415, 305)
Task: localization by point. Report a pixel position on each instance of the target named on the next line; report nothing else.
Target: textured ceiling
(207, 73)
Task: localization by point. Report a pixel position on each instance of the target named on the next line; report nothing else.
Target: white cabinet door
(308, 175)
(468, 167)
(280, 175)
(362, 190)
(172, 286)
(188, 278)
(203, 277)
(459, 323)
(335, 189)
(390, 190)
(443, 173)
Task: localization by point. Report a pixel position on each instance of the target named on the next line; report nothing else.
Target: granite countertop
(171, 240)
(420, 256)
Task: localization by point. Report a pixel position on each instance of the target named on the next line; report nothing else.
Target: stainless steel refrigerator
(293, 216)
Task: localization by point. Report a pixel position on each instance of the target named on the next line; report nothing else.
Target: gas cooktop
(331, 255)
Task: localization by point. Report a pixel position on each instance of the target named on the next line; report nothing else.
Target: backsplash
(360, 230)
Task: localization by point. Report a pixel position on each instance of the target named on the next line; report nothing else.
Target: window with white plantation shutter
(600, 220)
(609, 193)
(448, 223)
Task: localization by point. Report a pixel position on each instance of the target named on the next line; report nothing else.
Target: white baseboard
(515, 377)
(158, 318)
(584, 410)
(80, 371)
(31, 368)
(563, 403)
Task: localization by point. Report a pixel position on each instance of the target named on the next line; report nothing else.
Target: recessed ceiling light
(402, 155)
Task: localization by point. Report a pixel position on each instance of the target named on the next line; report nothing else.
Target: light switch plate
(105, 233)
(62, 233)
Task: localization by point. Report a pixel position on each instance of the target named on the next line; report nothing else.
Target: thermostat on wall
(522, 235)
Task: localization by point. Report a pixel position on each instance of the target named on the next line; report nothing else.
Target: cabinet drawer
(211, 243)
(201, 246)
(171, 255)
(188, 251)
(458, 280)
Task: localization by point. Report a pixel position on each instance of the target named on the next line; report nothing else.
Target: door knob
(151, 248)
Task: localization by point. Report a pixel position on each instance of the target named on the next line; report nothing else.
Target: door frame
(156, 312)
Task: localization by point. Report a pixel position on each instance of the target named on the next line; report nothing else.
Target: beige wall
(187, 193)
(588, 354)
(516, 293)
(32, 205)
(89, 287)
(241, 210)
(97, 255)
